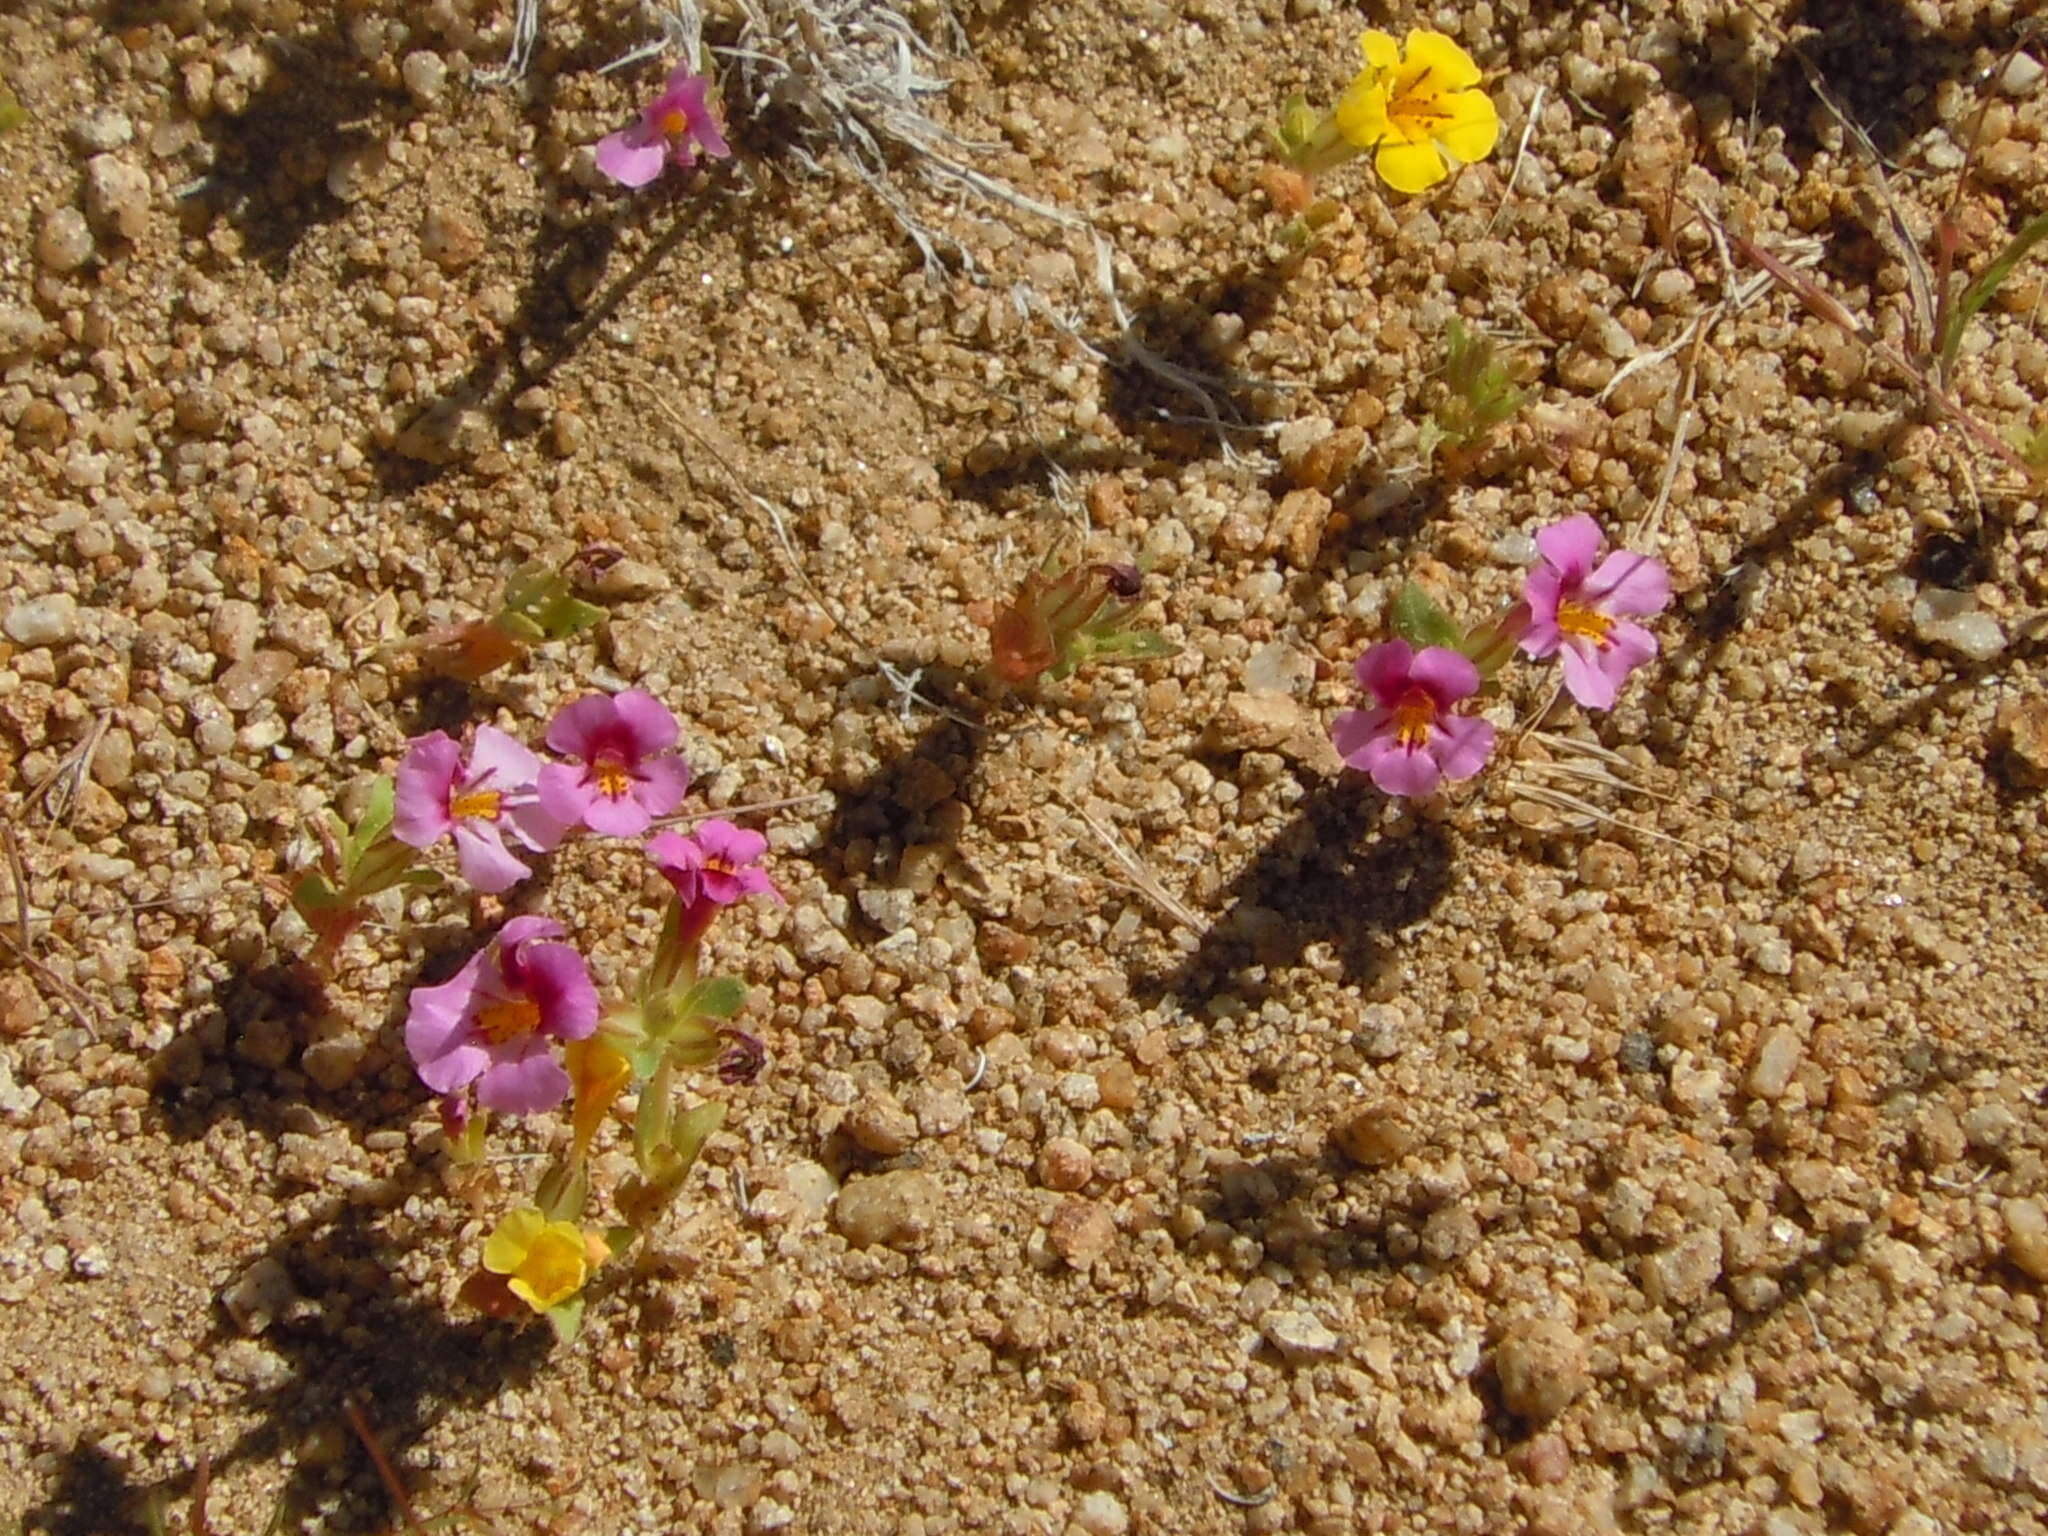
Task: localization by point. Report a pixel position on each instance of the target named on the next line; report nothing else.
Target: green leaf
(12, 113)
(566, 616)
(378, 810)
(716, 997)
(692, 1129)
(1420, 621)
(1988, 282)
(314, 893)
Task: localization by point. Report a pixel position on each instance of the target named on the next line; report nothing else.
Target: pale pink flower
(624, 774)
(491, 1024)
(715, 866)
(437, 795)
(1582, 609)
(1412, 737)
(672, 129)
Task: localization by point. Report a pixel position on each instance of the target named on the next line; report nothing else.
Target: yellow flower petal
(1410, 167)
(1380, 49)
(554, 1269)
(1448, 67)
(1473, 129)
(506, 1248)
(1362, 112)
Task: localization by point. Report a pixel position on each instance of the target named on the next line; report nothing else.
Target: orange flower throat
(613, 780)
(1586, 623)
(478, 804)
(674, 122)
(1414, 719)
(504, 1022)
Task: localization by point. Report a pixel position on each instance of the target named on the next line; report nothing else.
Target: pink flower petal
(524, 1084)
(1629, 583)
(498, 762)
(526, 929)
(628, 159)
(1571, 547)
(1405, 772)
(1542, 590)
(663, 783)
(558, 980)
(1447, 675)
(583, 729)
(1461, 745)
(1355, 730)
(533, 825)
(564, 790)
(420, 790)
(720, 839)
(623, 817)
(1586, 679)
(1630, 644)
(1383, 670)
(649, 727)
(437, 1033)
(483, 858)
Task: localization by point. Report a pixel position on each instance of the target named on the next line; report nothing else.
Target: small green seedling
(1478, 393)
(1060, 620)
(537, 607)
(12, 113)
(355, 864)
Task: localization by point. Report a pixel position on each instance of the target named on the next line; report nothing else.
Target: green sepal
(563, 1192)
(314, 893)
(716, 997)
(566, 1318)
(1418, 619)
(379, 807)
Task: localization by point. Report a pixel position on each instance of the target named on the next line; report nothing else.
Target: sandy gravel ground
(1162, 1131)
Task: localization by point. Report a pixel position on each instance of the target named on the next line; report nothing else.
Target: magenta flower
(491, 1022)
(716, 866)
(1584, 610)
(672, 129)
(624, 775)
(437, 794)
(1411, 738)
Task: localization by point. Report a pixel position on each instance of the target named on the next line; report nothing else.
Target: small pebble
(1375, 1137)
(43, 621)
(1064, 1164)
(1080, 1232)
(425, 75)
(899, 1210)
(2026, 1237)
(1541, 1366)
(116, 196)
(64, 243)
(102, 129)
(1953, 621)
(1298, 1335)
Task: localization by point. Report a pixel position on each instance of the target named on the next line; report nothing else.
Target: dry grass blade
(60, 787)
(1143, 880)
(1521, 154)
(22, 945)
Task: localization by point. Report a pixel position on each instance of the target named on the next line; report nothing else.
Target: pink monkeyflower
(715, 866)
(672, 129)
(1412, 737)
(1583, 609)
(624, 774)
(490, 1024)
(437, 794)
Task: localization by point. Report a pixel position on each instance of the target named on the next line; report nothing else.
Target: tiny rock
(1952, 621)
(898, 1210)
(1776, 1060)
(2020, 732)
(1298, 1335)
(43, 621)
(450, 241)
(248, 683)
(1101, 1514)
(1064, 1164)
(1682, 1274)
(1080, 1232)
(64, 242)
(116, 196)
(880, 1125)
(1541, 1366)
(257, 1296)
(1375, 1137)
(2026, 1238)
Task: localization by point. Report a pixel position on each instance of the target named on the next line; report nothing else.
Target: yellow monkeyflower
(544, 1262)
(1415, 104)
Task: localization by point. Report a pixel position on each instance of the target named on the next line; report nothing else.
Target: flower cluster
(1576, 605)
(520, 1027)
(1416, 108)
